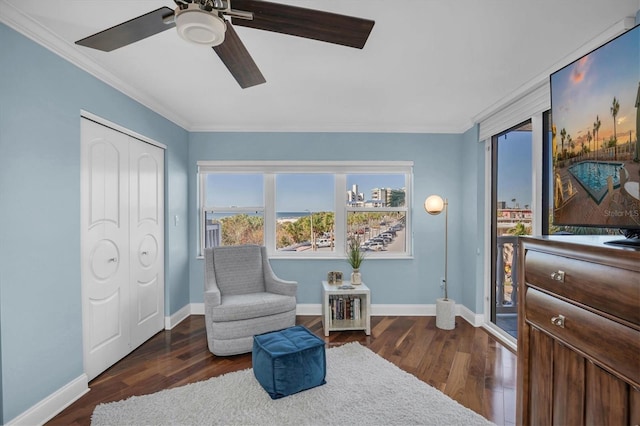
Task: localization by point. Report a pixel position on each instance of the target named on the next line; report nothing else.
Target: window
(233, 209)
(377, 216)
(306, 209)
(305, 212)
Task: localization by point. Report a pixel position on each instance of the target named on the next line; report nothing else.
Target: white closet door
(105, 246)
(147, 254)
(122, 232)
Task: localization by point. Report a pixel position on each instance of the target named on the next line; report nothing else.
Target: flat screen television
(595, 120)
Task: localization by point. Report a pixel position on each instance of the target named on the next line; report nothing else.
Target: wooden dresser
(578, 332)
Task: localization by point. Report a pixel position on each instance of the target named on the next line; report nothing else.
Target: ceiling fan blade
(237, 59)
(131, 31)
(307, 23)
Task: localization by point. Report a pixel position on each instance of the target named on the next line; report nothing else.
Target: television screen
(595, 108)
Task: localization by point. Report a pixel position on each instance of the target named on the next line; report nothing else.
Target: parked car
(323, 242)
(376, 246)
(378, 240)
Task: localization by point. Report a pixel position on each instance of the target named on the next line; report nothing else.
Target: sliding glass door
(512, 216)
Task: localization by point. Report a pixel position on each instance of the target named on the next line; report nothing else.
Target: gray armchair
(243, 297)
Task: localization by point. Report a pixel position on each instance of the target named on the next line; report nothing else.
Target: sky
(585, 89)
(295, 192)
(514, 168)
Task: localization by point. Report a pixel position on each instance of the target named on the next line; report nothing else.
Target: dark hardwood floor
(465, 363)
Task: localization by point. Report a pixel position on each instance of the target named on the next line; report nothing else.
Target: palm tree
(563, 135)
(589, 137)
(570, 142)
(596, 128)
(554, 145)
(615, 107)
(519, 229)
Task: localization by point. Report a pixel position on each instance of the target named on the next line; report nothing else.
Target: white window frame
(340, 170)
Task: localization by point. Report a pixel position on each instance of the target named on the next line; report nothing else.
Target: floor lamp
(445, 307)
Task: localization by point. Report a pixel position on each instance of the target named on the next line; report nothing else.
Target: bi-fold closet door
(122, 234)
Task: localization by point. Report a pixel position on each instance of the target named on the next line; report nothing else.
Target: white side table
(341, 311)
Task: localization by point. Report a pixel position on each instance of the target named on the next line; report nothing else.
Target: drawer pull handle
(559, 321)
(558, 276)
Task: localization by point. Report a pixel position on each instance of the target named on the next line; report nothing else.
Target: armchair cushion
(239, 269)
(244, 306)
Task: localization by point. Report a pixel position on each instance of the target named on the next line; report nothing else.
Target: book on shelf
(345, 307)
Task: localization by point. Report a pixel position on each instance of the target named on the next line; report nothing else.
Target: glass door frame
(526, 125)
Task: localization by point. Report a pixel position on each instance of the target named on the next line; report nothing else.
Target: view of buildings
(380, 197)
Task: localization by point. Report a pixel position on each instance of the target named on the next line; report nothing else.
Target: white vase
(356, 277)
(446, 314)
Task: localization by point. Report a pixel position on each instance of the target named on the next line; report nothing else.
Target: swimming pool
(592, 176)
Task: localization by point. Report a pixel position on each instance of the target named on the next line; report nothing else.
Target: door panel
(147, 257)
(122, 222)
(105, 241)
(104, 316)
(104, 178)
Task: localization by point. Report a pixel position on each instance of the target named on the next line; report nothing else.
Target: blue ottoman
(289, 361)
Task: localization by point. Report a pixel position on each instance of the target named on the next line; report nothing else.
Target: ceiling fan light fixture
(199, 26)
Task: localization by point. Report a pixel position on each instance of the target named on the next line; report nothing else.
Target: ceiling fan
(203, 22)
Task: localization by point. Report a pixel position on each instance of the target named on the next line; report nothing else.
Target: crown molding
(543, 78)
(30, 28)
(20, 22)
(332, 128)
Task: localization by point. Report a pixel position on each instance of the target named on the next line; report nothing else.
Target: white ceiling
(428, 66)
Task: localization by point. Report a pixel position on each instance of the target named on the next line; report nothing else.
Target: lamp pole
(446, 244)
(445, 308)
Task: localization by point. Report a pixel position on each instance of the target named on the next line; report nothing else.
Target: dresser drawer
(609, 289)
(616, 347)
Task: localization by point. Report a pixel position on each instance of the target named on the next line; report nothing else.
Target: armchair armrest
(279, 286)
(212, 295)
(273, 284)
(211, 298)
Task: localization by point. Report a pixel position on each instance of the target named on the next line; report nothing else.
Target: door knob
(558, 276)
(559, 321)
(113, 259)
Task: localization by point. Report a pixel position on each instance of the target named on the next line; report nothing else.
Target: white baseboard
(403, 310)
(178, 317)
(309, 309)
(471, 317)
(49, 407)
(476, 320)
(197, 309)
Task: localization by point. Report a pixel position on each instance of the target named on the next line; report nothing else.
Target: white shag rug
(362, 389)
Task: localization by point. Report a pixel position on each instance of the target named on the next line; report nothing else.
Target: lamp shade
(434, 204)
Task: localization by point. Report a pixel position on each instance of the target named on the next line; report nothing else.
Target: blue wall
(40, 305)
(438, 169)
(40, 301)
(473, 190)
